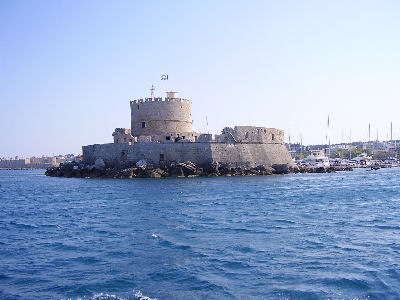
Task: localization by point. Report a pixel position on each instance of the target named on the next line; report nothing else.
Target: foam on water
(304, 236)
(136, 295)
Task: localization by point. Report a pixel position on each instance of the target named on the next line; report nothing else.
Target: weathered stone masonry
(161, 133)
(157, 116)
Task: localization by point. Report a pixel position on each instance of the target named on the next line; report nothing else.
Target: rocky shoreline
(187, 169)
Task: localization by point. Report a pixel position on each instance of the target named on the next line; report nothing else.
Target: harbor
(199, 150)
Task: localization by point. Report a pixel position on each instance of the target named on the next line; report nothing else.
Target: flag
(164, 77)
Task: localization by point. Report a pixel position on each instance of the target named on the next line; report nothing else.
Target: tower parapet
(155, 116)
(159, 99)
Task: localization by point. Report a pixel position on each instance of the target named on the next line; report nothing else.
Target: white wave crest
(102, 296)
(140, 296)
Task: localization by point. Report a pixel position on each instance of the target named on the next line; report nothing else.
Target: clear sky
(69, 68)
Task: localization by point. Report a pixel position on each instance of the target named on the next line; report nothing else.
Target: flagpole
(165, 77)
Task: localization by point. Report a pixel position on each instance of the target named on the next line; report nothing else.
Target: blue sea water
(302, 236)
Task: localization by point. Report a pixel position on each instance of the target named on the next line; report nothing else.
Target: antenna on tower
(152, 92)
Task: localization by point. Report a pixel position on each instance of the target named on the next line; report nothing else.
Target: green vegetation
(301, 156)
(345, 154)
(384, 154)
(354, 152)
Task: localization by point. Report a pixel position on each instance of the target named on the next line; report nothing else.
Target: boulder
(264, 170)
(280, 168)
(188, 168)
(141, 164)
(99, 164)
(320, 170)
(156, 173)
(127, 173)
(210, 168)
(224, 170)
(176, 170)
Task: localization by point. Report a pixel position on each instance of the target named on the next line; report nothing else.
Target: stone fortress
(161, 134)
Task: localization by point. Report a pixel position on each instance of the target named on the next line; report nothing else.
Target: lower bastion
(160, 144)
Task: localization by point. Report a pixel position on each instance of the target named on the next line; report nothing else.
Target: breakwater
(187, 169)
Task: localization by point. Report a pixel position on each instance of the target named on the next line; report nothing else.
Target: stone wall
(123, 135)
(35, 163)
(112, 154)
(251, 134)
(156, 153)
(169, 137)
(152, 152)
(156, 116)
(249, 154)
(14, 163)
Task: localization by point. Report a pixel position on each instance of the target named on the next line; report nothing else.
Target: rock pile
(187, 169)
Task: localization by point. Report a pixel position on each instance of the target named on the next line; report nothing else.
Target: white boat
(363, 159)
(317, 159)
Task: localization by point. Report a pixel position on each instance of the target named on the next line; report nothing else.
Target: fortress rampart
(155, 116)
(251, 134)
(157, 154)
(161, 133)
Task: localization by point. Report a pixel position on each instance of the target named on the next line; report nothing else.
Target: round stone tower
(155, 116)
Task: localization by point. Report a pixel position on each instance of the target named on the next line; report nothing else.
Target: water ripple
(303, 236)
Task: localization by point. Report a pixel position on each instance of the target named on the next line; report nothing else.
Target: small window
(273, 136)
(138, 107)
(246, 135)
(161, 157)
(143, 124)
(124, 140)
(168, 138)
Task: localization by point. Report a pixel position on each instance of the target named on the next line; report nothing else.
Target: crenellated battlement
(157, 115)
(161, 133)
(160, 99)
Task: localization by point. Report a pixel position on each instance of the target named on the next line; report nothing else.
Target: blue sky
(69, 68)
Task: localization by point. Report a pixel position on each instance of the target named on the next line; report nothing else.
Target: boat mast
(350, 143)
(329, 141)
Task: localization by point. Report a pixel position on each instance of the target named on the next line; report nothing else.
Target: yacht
(317, 159)
(363, 159)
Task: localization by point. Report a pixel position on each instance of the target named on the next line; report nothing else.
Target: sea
(300, 236)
